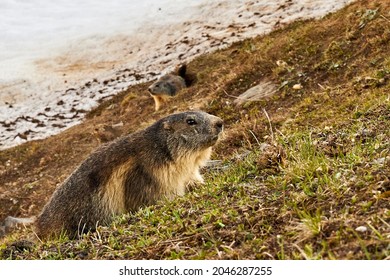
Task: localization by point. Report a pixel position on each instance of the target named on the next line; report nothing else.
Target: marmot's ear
(182, 71)
(167, 125)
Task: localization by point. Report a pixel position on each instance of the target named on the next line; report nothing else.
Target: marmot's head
(167, 85)
(191, 131)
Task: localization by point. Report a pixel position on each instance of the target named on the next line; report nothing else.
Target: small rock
(361, 229)
(281, 63)
(259, 92)
(297, 86)
(242, 155)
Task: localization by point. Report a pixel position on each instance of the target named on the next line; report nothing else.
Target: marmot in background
(169, 85)
(133, 171)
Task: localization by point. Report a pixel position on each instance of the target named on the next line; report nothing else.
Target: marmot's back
(133, 171)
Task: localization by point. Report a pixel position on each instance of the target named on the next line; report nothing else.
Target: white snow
(60, 58)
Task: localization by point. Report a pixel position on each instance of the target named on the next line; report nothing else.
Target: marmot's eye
(191, 122)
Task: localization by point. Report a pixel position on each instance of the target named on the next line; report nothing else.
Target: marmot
(133, 171)
(169, 85)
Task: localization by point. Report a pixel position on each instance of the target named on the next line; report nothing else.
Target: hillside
(305, 171)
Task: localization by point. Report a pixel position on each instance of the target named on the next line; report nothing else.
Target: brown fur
(133, 171)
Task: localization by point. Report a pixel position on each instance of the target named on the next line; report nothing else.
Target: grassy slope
(294, 186)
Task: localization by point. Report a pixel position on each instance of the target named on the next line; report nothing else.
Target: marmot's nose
(219, 125)
(150, 89)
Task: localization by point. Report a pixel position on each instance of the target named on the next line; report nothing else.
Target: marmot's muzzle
(219, 125)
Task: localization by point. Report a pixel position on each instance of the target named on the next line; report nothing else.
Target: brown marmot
(133, 171)
(169, 85)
